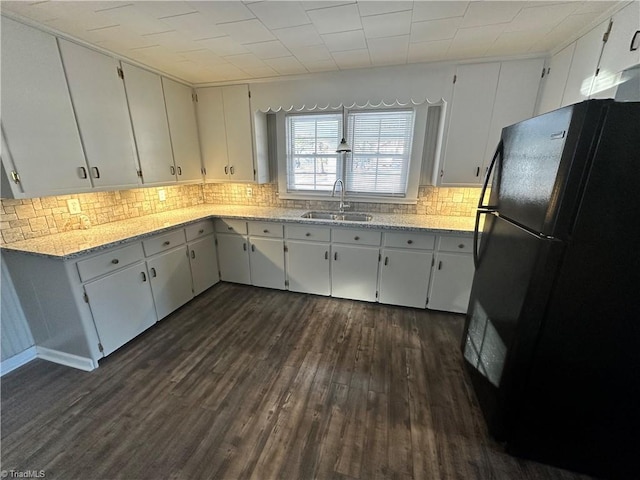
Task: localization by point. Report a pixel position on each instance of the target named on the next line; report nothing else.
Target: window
(381, 141)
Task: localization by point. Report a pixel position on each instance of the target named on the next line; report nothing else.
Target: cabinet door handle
(167, 243)
(229, 228)
(231, 169)
(478, 172)
(440, 265)
(115, 261)
(96, 172)
(307, 234)
(179, 170)
(154, 274)
(193, 254)
(461, 245)
(386, 261)
(144, 276)
(335, 256)
(253, 248)
(634, 43)
(226, 170)
(326, 255)
(83, 172)
(356, 238)
(244, 247)
(172, 169)
(265, 231)
(409, 242)
(201, 231)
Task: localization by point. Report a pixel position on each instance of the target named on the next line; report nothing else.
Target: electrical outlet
(249, 192)
(74, 206)
(162, 195)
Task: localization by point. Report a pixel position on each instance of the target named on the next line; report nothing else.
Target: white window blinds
(381, 144)
(312, 161)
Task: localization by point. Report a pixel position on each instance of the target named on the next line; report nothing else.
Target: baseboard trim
(19, 359)
(67, 359)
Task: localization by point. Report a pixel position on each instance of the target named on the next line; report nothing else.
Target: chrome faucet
(333, 193)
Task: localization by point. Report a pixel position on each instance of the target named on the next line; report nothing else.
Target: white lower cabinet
(404, 277)
(170, 275)
(452, 275)
(122, 306)
(233, 258)
(308, 267)
(354, 272)
(204, 264)
(266, 260)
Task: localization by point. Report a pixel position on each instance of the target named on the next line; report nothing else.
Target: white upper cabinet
(622, 49)
(486, 98)
(100, 104)
(584, 65)
(555, 80)
(42, 153)
(230, 151)
(150, 127)
(183, 129)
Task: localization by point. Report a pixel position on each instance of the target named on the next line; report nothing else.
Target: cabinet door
(472, 105)
(354, 272)
(37, 116)
(617, 54)
(204, 264)
(267, 262)
(308, 267)
(584, 65)
(181, 115)
(404, 277)
(237, 116)
(170, 280)
(213, 133)
(451, 282)
(100, 104)
(515, 99)
(121, 305)
(555, 80)
(233, 258)
(150, 127)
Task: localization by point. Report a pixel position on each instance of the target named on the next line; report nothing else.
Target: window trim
(413, 181)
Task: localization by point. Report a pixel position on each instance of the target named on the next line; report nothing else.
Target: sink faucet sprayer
(333, 193)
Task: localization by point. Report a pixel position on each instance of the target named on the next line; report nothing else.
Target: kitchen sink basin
(345, 217)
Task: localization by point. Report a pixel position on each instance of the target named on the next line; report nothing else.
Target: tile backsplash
(37, 217)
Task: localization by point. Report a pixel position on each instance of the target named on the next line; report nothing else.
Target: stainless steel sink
(345, 217)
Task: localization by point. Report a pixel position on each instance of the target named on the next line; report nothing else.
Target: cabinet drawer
(455, 244)
(358, 237)
(307, 232)
(229, 225)
(412, 240)
(266, 229)
(163, 242)
(198, 230)
(109, 261)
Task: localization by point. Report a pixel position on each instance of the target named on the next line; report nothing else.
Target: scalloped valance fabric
(381, 104)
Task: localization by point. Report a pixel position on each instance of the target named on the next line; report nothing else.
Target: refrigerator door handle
(476, 233)
(485, 184)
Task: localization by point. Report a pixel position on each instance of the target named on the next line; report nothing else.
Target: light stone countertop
(76, 243)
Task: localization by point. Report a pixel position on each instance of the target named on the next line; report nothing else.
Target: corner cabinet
(486, 98)
(232, 149)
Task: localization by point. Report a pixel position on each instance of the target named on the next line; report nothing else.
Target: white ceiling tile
(562, 32)
(302, 36)
(164, 9)
(321, 66)
(423, 11)
(593, 7)
(352, 59)
(173, 40)
(260, 72)
(474, 42)
(229, 72)
(389, 50)
(336, 19)
(428, 51)
(510, 43)
(435, 29)
(540, 17)
(194, 25)
(221, 46)
(272, 49)
(280, 14)
(248, 60)
(40, 12)
(204, 57)
(339, 42)
(490, 13)
(314, 53)
(311, 5)
(223, 12)
(129, 16)
(387, 25)
(367, 8)
(286, 65)
(247, 31)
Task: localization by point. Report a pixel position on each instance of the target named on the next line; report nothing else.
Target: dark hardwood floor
(251, 383)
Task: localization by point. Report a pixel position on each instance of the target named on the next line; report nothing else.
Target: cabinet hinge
(139, 172)
(543, 71)
(194, 97)
(427, 301)
(597, 71)
(15, 177)
(605, 37)
(203, 170)
(120, 72)
(379, 257)
(249, 93)
(433, 261)
(286, 249)
(216, 242)
(286, 283)
(455, 78)
(100, 347)
(376, 294)
(85, 297)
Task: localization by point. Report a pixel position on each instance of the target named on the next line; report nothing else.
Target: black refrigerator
(552, 334)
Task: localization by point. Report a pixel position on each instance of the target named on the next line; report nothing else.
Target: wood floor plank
(246, 382)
